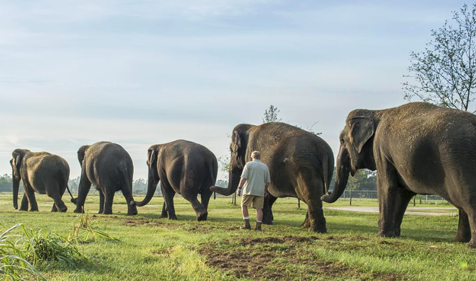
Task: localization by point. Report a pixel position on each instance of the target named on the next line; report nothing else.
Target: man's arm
(240, 185)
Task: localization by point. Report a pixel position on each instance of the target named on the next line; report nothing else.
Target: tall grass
(14, 263)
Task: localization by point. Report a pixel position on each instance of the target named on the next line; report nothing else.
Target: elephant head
(238, 148)
(153, 178)
(16, 163)
(356, 150)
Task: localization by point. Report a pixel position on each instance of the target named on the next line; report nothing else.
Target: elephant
(416, 148)
(109, 168)
(301, 165)
(41, 172)
(182, 167)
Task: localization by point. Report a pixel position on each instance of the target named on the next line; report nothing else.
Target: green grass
(144, 247)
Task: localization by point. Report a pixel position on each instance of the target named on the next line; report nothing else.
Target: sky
(139, 73)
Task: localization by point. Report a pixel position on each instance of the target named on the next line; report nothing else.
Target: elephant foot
(162, 216)
(34, 210)
(471, 244)
(63, 210)
(318, 229)
(461, 239)
(268, 222)
(202, 217)
(132, 212)
(389, 234)
(173, 217)
(23, 210)
(79, 210)
(53, 210)
(462, 236)
(108, 212)
(306, 224)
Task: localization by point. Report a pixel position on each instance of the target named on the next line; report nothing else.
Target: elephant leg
(267, 209)
(472, 223)
(131, 207)
(403, 198)
(168, 194)
(108, 200)
(55, 192)
(30, 194)
(199, 209)
(464, 231)
(164, 211)
(24, 203)
(310, 188)
(101, 202)
(387, 191)
(83, 190)
(205, 196)
(54, 209)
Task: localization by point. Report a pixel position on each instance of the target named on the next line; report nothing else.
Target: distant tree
(6, 184)
(444, 74)
(271, 114)
(139, 186)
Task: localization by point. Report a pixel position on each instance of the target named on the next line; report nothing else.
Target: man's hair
(256, 155)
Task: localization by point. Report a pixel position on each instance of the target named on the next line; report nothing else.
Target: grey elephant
(416, 148)
(109, 168)
(183, 167)
(41, 172)
(301, 165)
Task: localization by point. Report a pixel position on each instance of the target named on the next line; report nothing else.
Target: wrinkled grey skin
(300, 164)
(417, 148)
(183, 167)
(41, 172)
(109, 168)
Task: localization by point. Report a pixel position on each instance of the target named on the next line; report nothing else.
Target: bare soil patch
(282, 258)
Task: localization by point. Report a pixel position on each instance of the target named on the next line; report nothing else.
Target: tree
(271, 114)
(445, 72)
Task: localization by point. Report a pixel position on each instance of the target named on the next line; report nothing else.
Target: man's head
(255, 155)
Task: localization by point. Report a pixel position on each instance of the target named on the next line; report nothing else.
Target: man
(255, 179)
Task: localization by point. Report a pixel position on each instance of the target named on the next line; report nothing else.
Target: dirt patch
(281, 258)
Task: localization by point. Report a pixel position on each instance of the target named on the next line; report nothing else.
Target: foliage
(445, 72)
(50, 247)
(271, 114)
(86, 222)
(362, 180)
(13, 262)
(6, 183)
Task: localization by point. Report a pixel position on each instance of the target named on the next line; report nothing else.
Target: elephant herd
(416, 148)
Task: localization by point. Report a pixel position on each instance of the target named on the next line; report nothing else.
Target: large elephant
(300, 164)
(41, 172)
(182, 167)
(416, 148)
(109, 168)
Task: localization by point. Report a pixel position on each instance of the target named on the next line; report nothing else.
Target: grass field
(149, 248)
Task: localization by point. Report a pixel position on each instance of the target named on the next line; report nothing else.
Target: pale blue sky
(145, 72)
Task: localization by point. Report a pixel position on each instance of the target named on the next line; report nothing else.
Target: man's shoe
(258, 226)
(247, 225)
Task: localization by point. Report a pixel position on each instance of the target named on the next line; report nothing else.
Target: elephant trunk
(151, 187)
(342, 176)
(233, 181)
(16, 187)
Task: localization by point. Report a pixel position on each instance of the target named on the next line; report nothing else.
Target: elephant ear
(236, 142)
(17, 158)
(81, 153)
(361, 130)
(151, 156)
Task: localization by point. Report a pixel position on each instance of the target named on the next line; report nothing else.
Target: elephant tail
(73, 200)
